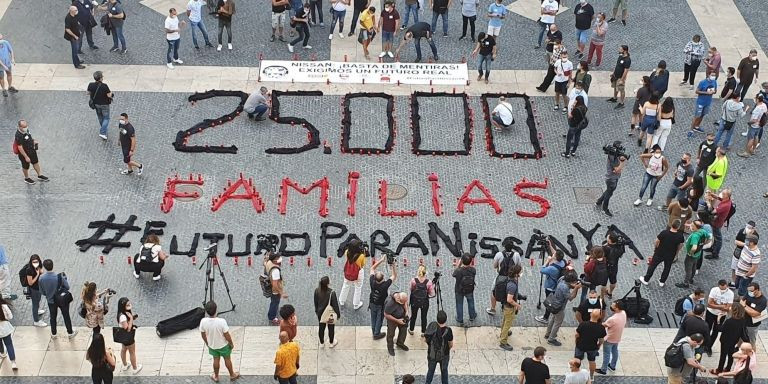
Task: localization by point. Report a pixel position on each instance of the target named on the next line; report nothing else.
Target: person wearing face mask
(681, 183)
(591, 304)
(585, 78)
(754, 304)
(554, 58)
(389, 24)
(747, 73)
(497, 12)
(717, 170)
(597, 40)
(749, 261)
(757, 121)
(732, 110)
(693, 252)
(26, 148)
(116, 21)
(739, 243)
(72, 34)
(666, 119)
(656, 166)
(563, 71)
(713, 62)
(173, 38)
(33, 270)
(704, 90)
(705, 155)
(127, 334)
(589, 336)
(577, 120)
(128, 145)
(693, 51)
(614, 329)
(719, 304)
(649, 121)
(666, 247)
(721, 206)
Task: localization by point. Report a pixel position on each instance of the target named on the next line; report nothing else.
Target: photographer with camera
(421, 290)
(553, 269)
(396, 313)
(507, 292)
(567, 288)
(95, 305)
(465, 288)
(355, 256)
(151, 258)
(502, 262)
(379, 294)
(617, 159)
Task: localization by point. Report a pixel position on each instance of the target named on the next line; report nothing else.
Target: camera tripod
(438, 291)
(210, 278)
(542, 255)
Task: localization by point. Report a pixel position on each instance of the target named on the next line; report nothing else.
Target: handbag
(329, 314)
(120, 335)
(62, 297)
(745, 375)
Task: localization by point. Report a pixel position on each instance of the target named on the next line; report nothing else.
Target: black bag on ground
(635, 307)
(187, 320)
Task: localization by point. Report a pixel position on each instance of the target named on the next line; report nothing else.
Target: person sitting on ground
(501, 117)
(744, 358)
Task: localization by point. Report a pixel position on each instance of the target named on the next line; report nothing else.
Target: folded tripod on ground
(637, 307)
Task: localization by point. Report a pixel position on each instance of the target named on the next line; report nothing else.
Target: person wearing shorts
(389, 22)
(128, 145)
(589, 336)
(496, 14)
(279, 14)
(215, 333)
(584, 15)
(26, 147)
(563, 70)
(624, 5)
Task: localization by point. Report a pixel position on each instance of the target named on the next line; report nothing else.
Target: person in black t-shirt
(668, 244)
(128, 145)
(379, 293)
(101, 97)
(533, 370)
(589, 337)
(358, 6)
(416, 32)
(592, 303)
(486, 46)
(585, 15)
(446, 335)
(72, 34)
(26, 146)
(706, 154)
(754, 304)
(619, 76)
(464, 288)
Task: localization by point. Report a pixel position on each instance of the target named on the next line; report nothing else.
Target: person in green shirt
(717, 170)
(693, 250)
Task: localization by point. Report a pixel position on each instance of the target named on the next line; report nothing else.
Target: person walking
(215, 333)
(378, 296)
(747, 73)
(195, 16)
(396, 313)
(72, 34)
(102, 360)
(95, 305)
(338, 12)
(34, 269)
(732, 330)
(440, 9)
(510, 304)
(173, 38)
(287, 360)
(128, 145)
(487, 48)
(5, 276)
(299, 21)
(465, 288)
(116, 21)
(355, 256)
(732, 110)
(6, 333)
(226, 9)
(548, 11)
(597, 40)
(660, 79)
(694, 52)
(151, 258)
(416, 32)
(273, 270)
(439, 338)
(577, 122)
(51, 284)
(557, 49)
(666, 118)
(619, 77)
(421, 290)
(468, 16)
(125, 334)
(100, 98)
(656, 167)
(567, 289)
(389, 24)
(614, 328)
(534, 370)
(7, 61)
(665, 249)
(26, 148)
(87, 22)
(327, 311)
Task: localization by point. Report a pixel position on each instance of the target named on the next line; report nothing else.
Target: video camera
(540, 237)
(267, 242)
(616, 150)
(111, 291)
(391, 258)
(436, 278)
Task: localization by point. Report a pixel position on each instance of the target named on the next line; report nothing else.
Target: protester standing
(378, 296)
(327, 311)
(440, 9)
(389, 24)
(502, 262)
(549, 10)
(468, 16)
(5, 276)
(589, 336)
(747, 73)
(272, 269)
(116, 21)
(439, 338)
(719, 304)
(642, 96)
(746, 363)
(597, 40)
(732, 329)
(577, 122)
(173, 38)
(624, 5)
(510, 304)
(666, 119)
(713, 62)
(497, 12)
(421, 290)
(566, 290)
(195, 16)
(464, 287)
(127, 334)
(739, 243)
(704, 90)
(7, 61)
(649, 121)
(72, 34)
(358, 7)
(487, 48)
(128, 145)
(87, 22)
(102, 360)
(732, 110)
(619, 76)
(534, 370)
(693, 251)
(557, 49)
(316, 12)
(286, 360)
(563, 77)
(50, 284)
(100, 98)
(396, 313)
(656, 166)
(226, 9)
(667, 246)
(6, 333)
(215, 333)
(746, 269)
(355, 256)
(759, 116)
(585, 15)
(694, 52)
(338, 12)
(614, 328)
(34, 270)
(367, 29)
(289, 323)
(660, 79)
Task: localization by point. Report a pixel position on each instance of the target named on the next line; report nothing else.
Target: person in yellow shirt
(286, 360)
(367, 28)
(717, 170)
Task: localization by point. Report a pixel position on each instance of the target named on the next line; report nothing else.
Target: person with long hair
(102, 360)
(660, 79)
(151, 258)
(95, 305)
(421, 290)
(325, 296)
(649, 122)
(34, 271)
(666, 119)
(125, 319)
(732, 329)
(355, 256)
(577, 121)
(6, 330)
(656, 166)
(641, 96)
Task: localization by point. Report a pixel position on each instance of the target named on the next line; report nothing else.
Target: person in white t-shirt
(173, 37)
(501, 117)
(576, 375)
(548, 12)
(195, 16)
(215, 333)
(563, 71)
(150, 258)
(718, 306)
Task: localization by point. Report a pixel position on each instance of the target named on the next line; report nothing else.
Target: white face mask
(35, 265)
(713, 78)
(121, 122)
(657, 155)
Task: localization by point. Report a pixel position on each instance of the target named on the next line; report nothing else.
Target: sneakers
(13, 365)
(490, 311)
(218, 48)
(103, 137)
(272, 39)
(649, 203)
(554, 342)
(607, 212)
(29, 181)
(601, 371)
(382, 54)
(322, 345)
(275, 321)
(697, 130)
(682, 285)
(392, 56)
(41, 311)
(330, 37)
(334, 343)
(229, 46)
(41, 324)
(290, 48)
(745, 133)
(136, 275)
(556, 108)
(157, 278)
(307, 47)
(611, 20)
(612, 100)
(540, 319)
(637, 202)
(178, 61)
(505, 347)
(744, 154)
(114, 49)
(341, 35)
(141, 169)
(3, 355)
(169, 65)
(619, 106)
(73, 334)
(126, 172)
(661, 285)
(124, 368)
(137, 370)
(642, 280)
(358, 306)
(122, 52)
(410, 332)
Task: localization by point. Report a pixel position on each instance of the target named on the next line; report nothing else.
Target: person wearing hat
(100, 97)
(746, 267)
(656, 166)
(272, 269)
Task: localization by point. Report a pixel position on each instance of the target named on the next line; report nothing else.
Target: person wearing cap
(502, 117)
(100, 97)
(749, 261)
(656, 166)
(272, 268)
(747, 73)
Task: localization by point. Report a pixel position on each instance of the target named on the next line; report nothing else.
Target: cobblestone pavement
(657, 30)
(86, 186)
(754, 13)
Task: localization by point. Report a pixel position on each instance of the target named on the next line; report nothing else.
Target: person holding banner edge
(416, 32)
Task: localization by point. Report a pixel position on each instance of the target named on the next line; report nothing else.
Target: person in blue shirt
(496, 14)
(697, 297)
(5, 275)
(704, 90)
(552, 270)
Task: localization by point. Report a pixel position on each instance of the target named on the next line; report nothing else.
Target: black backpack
(23, 276)
(673, 356)
(500, 289)
(436, 342)
(600, 274)
(265, 281)
(420, 296)
(506, 263)
(467, 284)
(679, 305)
(730, 214)
(145, 254)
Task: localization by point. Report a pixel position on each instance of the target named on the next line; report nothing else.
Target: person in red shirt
(389, 24)
(720, 205)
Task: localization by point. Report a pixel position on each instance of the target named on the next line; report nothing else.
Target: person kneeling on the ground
(501, 117)
(150, 258)
(256, 104)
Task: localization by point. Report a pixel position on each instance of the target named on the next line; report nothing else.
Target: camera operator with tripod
(617, 159)
(379, 294)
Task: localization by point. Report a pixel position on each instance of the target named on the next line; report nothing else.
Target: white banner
(356, 73)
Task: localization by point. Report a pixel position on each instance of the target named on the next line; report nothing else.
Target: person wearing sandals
(215, 333)
(102, 360)
(649, 122)
(6, 330)
(327, 310)
(125, 319)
